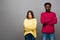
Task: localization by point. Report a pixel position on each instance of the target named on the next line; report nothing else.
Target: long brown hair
(30, 11)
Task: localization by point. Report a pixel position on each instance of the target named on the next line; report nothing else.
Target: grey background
(13, 12)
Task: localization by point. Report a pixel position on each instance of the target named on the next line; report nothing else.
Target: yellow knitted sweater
(30, 26)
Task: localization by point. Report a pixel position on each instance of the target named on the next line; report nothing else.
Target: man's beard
(47, 10)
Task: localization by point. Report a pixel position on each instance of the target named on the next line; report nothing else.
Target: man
(48, 19)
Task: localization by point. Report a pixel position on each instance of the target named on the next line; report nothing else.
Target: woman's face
(30, 16)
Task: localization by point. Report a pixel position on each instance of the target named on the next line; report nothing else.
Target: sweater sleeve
(26, 25)
(54, 19)
(43, 20)
(33, 25)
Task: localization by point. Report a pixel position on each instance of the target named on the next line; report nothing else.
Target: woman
(30, 24)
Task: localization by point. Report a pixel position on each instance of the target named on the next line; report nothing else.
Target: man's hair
(47, 4)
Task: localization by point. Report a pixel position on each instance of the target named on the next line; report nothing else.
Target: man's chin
(47, 11)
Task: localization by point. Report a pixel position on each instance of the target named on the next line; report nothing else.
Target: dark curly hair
(47, 4)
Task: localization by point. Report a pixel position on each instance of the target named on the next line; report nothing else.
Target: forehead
(47, 5)
(29, 12)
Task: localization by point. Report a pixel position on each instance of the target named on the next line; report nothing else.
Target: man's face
(47, 8)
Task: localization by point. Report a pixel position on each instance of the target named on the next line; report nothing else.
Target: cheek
(47, 8)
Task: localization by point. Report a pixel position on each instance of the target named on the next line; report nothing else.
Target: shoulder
(43, 13)
(53, 13)
(34, 19)
(25, 19)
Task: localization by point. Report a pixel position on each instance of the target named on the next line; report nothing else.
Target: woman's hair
(30, 11)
